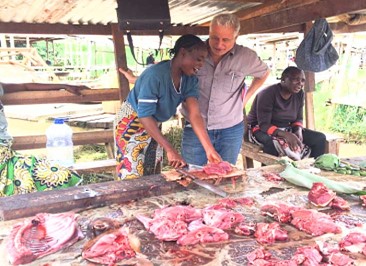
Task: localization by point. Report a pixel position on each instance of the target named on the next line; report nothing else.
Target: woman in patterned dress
(153, 100)
(21, 174)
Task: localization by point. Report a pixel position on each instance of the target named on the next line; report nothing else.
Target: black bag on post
(316, 52)
(143, 14)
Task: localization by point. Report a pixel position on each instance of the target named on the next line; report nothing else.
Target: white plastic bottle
(59, 145)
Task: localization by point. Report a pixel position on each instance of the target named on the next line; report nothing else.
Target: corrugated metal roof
(256, 16)
(182, 12)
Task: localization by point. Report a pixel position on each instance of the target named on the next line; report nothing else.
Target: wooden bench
(100, 136)
(333, 143)
(252, 152)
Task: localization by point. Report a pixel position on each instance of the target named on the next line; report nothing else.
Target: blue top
(154, 93)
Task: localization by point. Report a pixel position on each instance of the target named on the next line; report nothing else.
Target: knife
(203, 184)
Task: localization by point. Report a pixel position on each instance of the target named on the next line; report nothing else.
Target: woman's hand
(292, 140)
(175, 159)
(298, 133)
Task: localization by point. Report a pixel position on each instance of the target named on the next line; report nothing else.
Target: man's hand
(129, 75)
(213, 156)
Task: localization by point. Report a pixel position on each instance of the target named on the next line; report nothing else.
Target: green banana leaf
(305, 179)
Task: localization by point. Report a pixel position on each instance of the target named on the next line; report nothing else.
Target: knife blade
(203, 184)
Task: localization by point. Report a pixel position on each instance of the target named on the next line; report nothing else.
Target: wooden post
(121, 61)
(309, 89)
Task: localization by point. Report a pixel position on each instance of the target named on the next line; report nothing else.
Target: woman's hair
(227, 20)
(288, 71)
(188, 42)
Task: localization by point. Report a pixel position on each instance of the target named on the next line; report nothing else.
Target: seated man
(275, 119)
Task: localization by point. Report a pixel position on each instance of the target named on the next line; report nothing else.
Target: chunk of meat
(203, 234)
(320, 195)
(272, 177)
(259, 253)
(182, 213)
(163, 228)
(279, 211)
(231, 203)
(353, 242)
(340, 259)
(308, 255)
(314, 222)
(221, 168)
(339, 203)
(363, 198)
(245, 229)
(42, 235)
(223, 219)
(331, 253)
(268, 233)
(109, 248)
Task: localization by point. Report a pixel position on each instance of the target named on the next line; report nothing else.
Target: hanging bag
(143, 15)
(316, 52)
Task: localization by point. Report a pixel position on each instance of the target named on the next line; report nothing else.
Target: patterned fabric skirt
(21, 174)
(137, 154)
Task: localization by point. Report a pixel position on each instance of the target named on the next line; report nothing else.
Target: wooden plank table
(123, 200)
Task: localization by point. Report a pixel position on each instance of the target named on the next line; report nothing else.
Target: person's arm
(16, 87)
(129, 75)
(174, 158)
(199, 128)
(255, 85)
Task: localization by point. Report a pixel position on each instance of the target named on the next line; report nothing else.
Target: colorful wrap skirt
(21, 174)
(137, 154)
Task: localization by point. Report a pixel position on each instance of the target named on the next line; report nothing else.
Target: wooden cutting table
(123, 200)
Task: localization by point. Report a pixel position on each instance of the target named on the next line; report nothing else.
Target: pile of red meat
(109, 247)
(322, 253)
(221, 168)
(321, 196)
(309, 221)
(188, 225)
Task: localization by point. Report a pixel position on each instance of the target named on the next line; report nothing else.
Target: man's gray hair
(227, 20)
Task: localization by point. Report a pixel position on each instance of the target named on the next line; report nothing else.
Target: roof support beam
(299, 15)
(55, 29)
(121, 61)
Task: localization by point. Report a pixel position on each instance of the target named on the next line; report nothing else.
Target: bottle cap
(58, 121)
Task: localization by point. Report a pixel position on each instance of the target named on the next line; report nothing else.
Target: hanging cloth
(316, 52)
